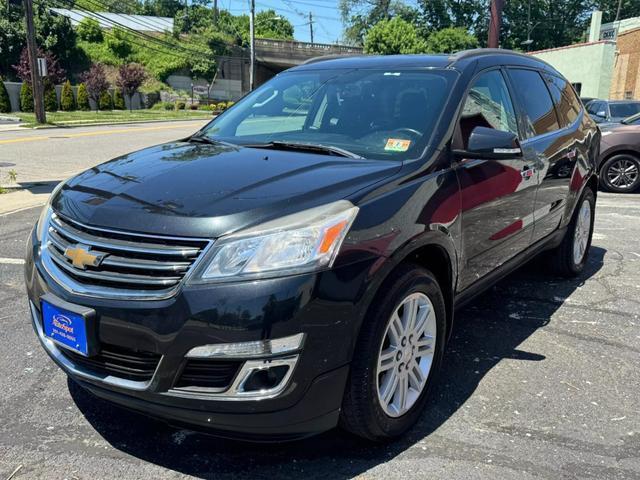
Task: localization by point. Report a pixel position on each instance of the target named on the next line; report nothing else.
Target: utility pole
(494, 23)
(311, 26)
(36, 84)
(215, 12)
(252, 43)
(616, 25)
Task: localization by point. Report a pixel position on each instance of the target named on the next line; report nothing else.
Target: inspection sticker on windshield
(397, 145)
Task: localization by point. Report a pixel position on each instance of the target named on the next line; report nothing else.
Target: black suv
(296, 264)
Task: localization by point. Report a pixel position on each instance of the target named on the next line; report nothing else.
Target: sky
(327, 24)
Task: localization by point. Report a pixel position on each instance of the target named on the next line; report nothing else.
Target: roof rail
(332, 56)
(477, 52)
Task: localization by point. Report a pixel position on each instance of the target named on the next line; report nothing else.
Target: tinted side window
(488, 104)
(564, 99)
(535, 100)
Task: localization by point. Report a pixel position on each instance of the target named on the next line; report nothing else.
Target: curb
(102, 124)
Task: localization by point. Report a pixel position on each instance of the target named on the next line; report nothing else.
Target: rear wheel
(397, 354)
(621, 173)
(570, 257)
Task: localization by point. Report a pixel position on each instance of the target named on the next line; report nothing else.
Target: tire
(620, 173)
(570, 257)
(364, 413)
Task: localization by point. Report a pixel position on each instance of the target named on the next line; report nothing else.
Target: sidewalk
(23, 199)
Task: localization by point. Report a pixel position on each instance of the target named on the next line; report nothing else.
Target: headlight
(302, 242)
(43, 220)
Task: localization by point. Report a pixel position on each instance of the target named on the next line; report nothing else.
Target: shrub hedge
(26, 98)
(5, 104)
(67, 102)
(83, 98)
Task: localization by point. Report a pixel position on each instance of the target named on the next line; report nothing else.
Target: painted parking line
(12, 261)
(95, 134)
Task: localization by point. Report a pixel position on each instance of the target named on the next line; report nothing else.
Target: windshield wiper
(208, 141)
(309, 147)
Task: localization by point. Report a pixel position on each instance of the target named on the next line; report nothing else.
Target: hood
(198, 190)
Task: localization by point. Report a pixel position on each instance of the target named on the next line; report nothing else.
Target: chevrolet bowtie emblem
(81, 256)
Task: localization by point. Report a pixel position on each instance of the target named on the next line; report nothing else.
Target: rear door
(553, 136)
(497, 195)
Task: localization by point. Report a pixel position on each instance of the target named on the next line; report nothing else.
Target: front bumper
(326, 307)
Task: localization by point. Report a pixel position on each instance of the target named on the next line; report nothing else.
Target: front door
(497, 195)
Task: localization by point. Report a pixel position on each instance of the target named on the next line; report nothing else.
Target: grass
(114, 116)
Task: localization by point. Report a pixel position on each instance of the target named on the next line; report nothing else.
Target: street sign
(42, 67)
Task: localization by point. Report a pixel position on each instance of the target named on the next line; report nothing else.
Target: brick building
(625, 82)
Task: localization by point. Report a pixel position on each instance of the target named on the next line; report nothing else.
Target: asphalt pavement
(42, 158)
(540, 380)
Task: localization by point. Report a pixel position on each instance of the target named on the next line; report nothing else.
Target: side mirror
(602, 114)
(491, 144)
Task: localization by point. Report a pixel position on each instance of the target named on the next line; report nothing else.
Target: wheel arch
(434, 251)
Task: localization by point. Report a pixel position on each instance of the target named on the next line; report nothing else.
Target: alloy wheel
(623, 173)
(406, 354)
(582, 231)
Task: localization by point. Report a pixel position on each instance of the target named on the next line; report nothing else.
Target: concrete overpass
(288, 54)
(273, 56)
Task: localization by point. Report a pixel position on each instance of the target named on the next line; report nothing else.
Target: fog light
(266, 379)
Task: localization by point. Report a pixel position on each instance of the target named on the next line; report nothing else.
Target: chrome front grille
(115, 263)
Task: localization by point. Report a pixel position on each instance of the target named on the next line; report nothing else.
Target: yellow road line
(92, 134)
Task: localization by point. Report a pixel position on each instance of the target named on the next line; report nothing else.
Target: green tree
(361, 15)
(119, 42)
(118, 100)
(5, 104)
(449, 40)
(67, 102)
(562, 23)
(50, 97)
(271, 25)
(106, 102)
(436, 15)
(83, 98)
(26, 98)
(394, 36)
(628, 9)
(161, 8)
(89, 30)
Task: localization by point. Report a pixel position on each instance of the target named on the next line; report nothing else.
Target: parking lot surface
(541, 380)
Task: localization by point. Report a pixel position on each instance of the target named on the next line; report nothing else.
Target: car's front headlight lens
(45, 214)
(302, 242)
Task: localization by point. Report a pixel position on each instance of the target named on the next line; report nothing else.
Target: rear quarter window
(535, 100)
(564, 99)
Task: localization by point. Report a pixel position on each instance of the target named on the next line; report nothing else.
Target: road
(541, 380)
(49, 155)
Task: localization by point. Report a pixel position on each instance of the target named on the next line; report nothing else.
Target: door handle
(526, 172)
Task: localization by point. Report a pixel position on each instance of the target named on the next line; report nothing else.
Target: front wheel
(397, 354)
(621, 173)
(570, 257)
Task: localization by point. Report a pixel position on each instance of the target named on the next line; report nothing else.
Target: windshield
(376, 114)
(624, 109)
